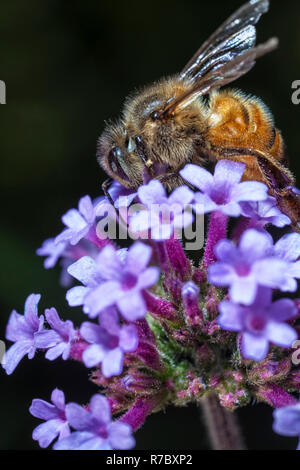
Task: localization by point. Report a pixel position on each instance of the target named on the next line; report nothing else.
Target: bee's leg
(144, 157)
(105, 187)
(172, 181)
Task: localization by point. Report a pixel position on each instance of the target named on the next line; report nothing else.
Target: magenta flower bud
(190, 294)
(293, 380)
(270, 371)
(275, 396)
(160, 308)
(137, 415)
(196, 388)
(199, 276)
(138, 382)
(231, 401)
(178, 259)
(77, 349)
(205, 354)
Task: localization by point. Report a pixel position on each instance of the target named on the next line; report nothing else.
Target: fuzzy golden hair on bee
(188, 118)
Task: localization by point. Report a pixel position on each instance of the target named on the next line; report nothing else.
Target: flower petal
(112, 363)
(103, 296)
(283, 309)
(287, 420)
(254, 347)
(243, 290)
(120, 436)
(86, 271)
(56, 351)
(288, 247)
(229, 171)
(220, 274)
(181, 195)
(58, 398)
(76, 295)
(250, 191)
(281, 334)
(149, 277)
(46, 432)
(43, 410)
(132, 306)
(109, 263)
(128, 338)
(100, 408)
(15, 354)
(231, 316)
(82, 441)
(86, 209)
(197, 176)
(152, 193)
(31, 311)
(138, 257)
(93, 355)
(78, 417)
(74, 220)
(256, 244)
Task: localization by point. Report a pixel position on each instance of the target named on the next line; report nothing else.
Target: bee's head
(117, 154)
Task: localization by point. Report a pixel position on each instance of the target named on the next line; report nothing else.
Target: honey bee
(170, 123)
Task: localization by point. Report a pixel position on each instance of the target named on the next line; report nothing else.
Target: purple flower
(265, 212)
(250, 264)
(52, 250)
(58, 340)
(260, 324)
(109, 342)
(94, 428)
(288, 249)
(223, 191)
(114, 278)
(78, 222)
(21, 330)
(121, 196)
(55, 419)
(287, 421)
(162, 214)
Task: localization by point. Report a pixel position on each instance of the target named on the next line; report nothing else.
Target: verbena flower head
(122, 282)
(162, 214)
(21, 330)
(168, 329)
(78, 222)
(223, 191)
(287, 421)
(261, 323)
(109, 342)
(95, 429)
(54, 415)
(265, 212)
(58, 339)
(250, 264)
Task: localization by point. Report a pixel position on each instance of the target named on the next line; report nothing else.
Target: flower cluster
(161, 328)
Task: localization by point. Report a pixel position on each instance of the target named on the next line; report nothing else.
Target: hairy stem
(222, 425)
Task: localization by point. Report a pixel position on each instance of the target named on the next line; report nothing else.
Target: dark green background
(68, 66)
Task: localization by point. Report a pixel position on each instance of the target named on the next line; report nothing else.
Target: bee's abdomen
(237, 120)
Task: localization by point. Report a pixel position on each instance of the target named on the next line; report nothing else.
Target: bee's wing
(232, 38)
(220, 76)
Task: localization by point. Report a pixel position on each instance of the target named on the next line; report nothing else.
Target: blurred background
(68, 67)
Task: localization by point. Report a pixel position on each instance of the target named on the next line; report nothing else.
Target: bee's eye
(114, 154)
(155, 115)
(117, 152)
